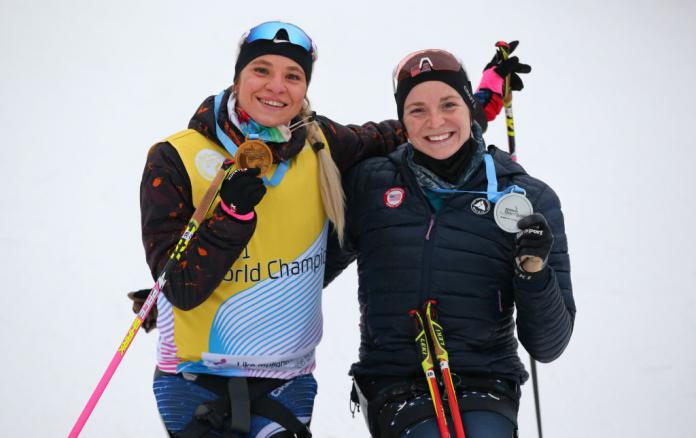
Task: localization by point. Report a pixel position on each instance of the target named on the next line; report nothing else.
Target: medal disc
(509, 209)
(254, 153)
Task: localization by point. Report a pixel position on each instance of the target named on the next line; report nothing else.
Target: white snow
(606, 118)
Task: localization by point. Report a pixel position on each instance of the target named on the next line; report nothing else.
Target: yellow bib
(265, 316)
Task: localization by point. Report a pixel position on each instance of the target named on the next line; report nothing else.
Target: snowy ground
(606, 118)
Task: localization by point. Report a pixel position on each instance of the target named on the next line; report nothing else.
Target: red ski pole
(427, 364)
(438, 338)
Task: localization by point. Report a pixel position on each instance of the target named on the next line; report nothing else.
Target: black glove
(242, 190)
(139, 298)
(533, 244)
(510, 66)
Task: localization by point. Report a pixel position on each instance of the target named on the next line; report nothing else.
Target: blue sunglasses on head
(272, 31)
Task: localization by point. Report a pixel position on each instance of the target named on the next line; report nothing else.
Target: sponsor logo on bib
(208, 162)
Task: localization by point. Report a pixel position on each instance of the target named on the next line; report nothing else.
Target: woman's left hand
(511, 66)
(139, 298)
(533, 243)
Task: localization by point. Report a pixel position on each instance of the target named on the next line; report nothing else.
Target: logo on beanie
(208, 162)
(480, 206)
(394, 197)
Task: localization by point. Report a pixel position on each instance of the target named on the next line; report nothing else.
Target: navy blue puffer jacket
(408, 253)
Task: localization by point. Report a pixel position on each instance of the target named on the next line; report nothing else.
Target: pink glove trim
(242, 217)
(492, 81)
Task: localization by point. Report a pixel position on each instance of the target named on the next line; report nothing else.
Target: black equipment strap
(275, 411)
(506, 388)
(240, 405)
(239, 398)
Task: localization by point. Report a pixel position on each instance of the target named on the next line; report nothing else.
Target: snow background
(606, 118)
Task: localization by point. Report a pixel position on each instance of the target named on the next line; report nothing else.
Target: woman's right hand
(242, 190)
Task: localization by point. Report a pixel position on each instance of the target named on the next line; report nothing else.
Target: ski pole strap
(492, 192)
(435, 328)
(422, 342)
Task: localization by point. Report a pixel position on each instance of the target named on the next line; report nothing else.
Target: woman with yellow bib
(240, 315)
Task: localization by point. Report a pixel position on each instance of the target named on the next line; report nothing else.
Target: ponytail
(330, 185)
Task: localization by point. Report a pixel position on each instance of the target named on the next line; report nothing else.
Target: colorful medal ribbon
(227, 142)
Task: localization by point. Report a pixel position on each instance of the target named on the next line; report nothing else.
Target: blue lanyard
(227, 142)
(492, 192)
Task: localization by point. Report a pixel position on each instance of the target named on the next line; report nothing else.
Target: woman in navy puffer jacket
(423, 224)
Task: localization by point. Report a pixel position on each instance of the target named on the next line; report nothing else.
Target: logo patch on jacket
(208, 162)
(394, 197)
(480, 206)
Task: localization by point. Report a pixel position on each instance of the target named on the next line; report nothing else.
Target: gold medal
(252, 154)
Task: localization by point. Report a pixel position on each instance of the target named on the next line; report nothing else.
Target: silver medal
(509, 209)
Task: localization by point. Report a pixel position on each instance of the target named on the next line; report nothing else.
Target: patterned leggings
(177, 399)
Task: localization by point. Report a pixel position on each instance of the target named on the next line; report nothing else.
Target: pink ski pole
(191, 229)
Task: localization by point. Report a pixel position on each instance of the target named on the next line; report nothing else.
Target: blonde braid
(330, 185)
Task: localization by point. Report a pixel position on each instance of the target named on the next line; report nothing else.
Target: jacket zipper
(426, 293)
(427, 247)
(430, 227)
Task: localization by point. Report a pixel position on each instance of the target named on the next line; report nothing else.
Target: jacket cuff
(240, 219)
(532, 281)
(233, 213)
(492, 81)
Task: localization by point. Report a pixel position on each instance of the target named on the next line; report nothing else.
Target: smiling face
(436, 119)
(271, 89)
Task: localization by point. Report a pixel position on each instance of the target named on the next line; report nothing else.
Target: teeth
(272, 103)
(439, 137)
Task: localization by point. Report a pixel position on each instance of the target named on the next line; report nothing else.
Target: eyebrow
(451, 96)
(270, 64)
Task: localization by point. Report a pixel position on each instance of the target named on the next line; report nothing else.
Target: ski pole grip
(417, 321)
(502, 44)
